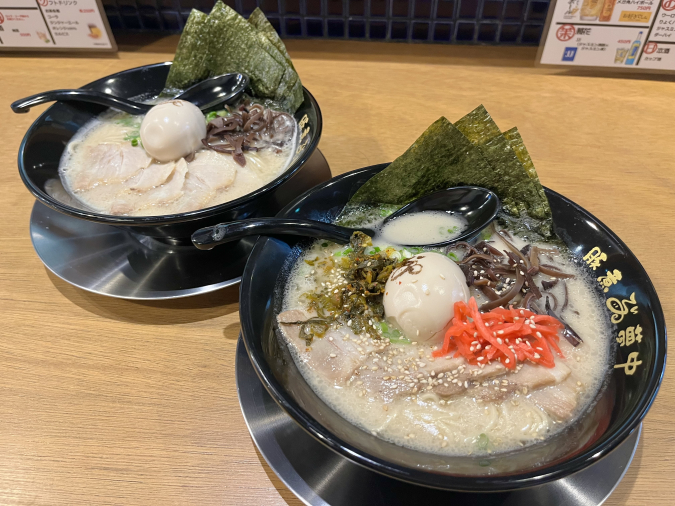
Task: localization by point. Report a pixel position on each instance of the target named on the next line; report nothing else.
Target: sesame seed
(539, 334)
(441, 276)
(507, 361)
(332, 355)
(499, 340)
(349, 323)
(500, 332)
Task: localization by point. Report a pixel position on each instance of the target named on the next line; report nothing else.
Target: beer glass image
(621, 53)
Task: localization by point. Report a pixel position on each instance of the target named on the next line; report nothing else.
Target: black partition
(518, 22)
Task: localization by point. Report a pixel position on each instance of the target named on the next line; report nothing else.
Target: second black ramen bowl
(46, 139)
(617, 411)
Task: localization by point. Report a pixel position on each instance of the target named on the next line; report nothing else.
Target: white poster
(54, 24)
(620, 34)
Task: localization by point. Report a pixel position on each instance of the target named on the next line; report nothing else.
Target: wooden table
(106, 401)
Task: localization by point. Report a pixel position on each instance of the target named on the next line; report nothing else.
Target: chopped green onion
(394, 335)
(211, 115)
(483, 441)
(453, 256)
(485, 234)
(324, 244)
(134, 142)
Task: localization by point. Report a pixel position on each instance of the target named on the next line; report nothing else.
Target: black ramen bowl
(46, 139)
(618, 409)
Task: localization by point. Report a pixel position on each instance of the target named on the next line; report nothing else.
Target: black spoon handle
(95, 97)
(207, 238)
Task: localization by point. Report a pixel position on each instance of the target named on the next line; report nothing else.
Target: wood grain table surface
(106, 401)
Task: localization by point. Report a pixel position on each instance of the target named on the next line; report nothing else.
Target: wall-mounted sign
(619, 34)
(54, 25)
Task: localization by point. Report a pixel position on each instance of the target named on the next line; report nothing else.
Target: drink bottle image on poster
(54, 25)
(618, 34)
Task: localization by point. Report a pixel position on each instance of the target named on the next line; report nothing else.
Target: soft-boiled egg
(172, 130)
(419, 296)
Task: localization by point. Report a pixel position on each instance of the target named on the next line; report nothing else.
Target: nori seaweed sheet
(480, 129)
(190, 63)
(478, 126)
(225, 42)
(243, 49)
(518, 146)
(443, 156)
(260, 22)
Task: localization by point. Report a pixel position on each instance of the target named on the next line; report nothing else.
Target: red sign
(668, 5)
(2, 18)
(566, 32)
(44, 3)
(650, 47)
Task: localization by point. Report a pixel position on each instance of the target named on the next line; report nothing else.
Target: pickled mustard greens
(358, 299)
(224, 42)
(473, 151)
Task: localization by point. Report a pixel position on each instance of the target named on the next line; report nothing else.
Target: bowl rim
(461, 483)
(169, 218)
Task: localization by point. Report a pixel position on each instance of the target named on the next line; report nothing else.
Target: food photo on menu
(428, 278)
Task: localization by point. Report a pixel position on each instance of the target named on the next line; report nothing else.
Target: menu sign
(622, 34)
(54, 24)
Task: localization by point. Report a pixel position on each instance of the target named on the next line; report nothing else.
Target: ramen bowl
(42, 146)
(628, 392)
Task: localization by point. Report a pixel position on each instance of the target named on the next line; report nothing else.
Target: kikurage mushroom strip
(507, 277)
(249, 128)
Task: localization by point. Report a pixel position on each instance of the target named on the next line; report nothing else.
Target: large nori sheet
(442, 157)
(478, 126)
(260, 22)
(241, 48)
(518, 146)
(190, 63)
(225, 42)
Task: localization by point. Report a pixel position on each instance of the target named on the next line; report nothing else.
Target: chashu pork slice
(154, 175)
(110, 163)
(494, 382)
(170, 190)
(214, 170)
(334, 356)
(559, 401)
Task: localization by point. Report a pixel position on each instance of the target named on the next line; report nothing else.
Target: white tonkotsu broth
(106, 174)
(392, 389)
(426, 227)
